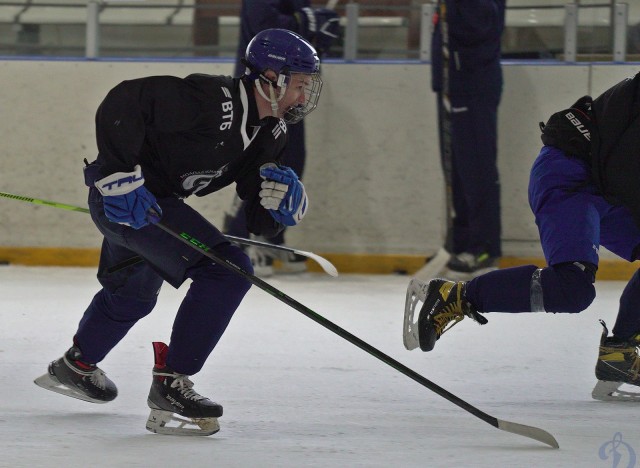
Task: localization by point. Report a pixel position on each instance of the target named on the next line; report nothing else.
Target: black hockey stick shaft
(527, 431)
(326, 265)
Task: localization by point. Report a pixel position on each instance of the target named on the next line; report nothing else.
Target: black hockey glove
(570, 130)
(320, 26)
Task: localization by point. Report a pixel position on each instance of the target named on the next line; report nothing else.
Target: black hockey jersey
(191, 136)
(616, 144)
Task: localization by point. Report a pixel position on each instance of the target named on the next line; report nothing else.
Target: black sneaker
(618, 363)
(72, 377)
(466, 266)
(172, 395)
(444, 306)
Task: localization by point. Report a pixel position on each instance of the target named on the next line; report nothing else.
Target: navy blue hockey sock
(566, 287)
(507, 290)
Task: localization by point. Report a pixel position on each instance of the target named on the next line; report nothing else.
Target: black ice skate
(176, 408)
(70, 376)
(444, 306)
(618, 364)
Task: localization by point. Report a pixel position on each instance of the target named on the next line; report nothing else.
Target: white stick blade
(529, 431)
(326, 265)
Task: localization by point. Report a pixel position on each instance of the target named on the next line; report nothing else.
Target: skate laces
(634, 370)
(98, 378)
(96, 375)
(451, 313)
(185, 387)
(454, 312)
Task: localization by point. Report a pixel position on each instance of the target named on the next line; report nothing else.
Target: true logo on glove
(130, 179)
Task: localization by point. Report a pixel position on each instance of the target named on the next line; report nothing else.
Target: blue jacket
(474, 32)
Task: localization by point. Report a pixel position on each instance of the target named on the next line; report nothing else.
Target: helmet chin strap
(273, 100)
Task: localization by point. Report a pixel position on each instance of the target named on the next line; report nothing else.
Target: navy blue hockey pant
(573, 222)
(130, 293)
(293, 156)
(474, 173)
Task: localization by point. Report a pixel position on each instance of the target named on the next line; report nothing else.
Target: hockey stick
(326, 265)
(515, 428)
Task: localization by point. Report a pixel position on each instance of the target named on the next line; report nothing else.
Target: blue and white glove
(283, 194)
(126, 199)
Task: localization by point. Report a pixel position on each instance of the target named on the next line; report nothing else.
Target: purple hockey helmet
(285, 53)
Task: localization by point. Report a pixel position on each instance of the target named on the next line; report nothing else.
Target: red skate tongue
(160, 351)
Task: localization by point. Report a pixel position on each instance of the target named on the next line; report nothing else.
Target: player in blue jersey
(584, 193)
(160, 140)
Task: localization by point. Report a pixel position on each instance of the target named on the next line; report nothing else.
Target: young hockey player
(584, 193)
(162, 139)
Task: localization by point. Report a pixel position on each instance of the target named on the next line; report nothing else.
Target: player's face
(296, 92)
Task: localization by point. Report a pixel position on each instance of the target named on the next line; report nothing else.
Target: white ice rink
(296, 395)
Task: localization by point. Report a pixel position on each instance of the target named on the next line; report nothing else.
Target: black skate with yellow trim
(618, 364)
(444, 306)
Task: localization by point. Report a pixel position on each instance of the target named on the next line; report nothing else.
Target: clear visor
(312, 90)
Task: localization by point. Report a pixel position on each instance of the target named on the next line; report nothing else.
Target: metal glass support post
(92, 41)
(620, 24)
(426, 31)
(351, 32)
(570, 32)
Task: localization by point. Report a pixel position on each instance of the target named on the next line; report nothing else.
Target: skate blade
(168, 423)
(610, 391)
(416, 292)
(49, 382)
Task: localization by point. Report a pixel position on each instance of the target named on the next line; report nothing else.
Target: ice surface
(296, 395)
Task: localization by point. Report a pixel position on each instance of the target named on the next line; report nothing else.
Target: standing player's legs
(293, 156)
(476, 187)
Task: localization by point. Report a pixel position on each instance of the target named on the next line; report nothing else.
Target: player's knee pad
(565, 287)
